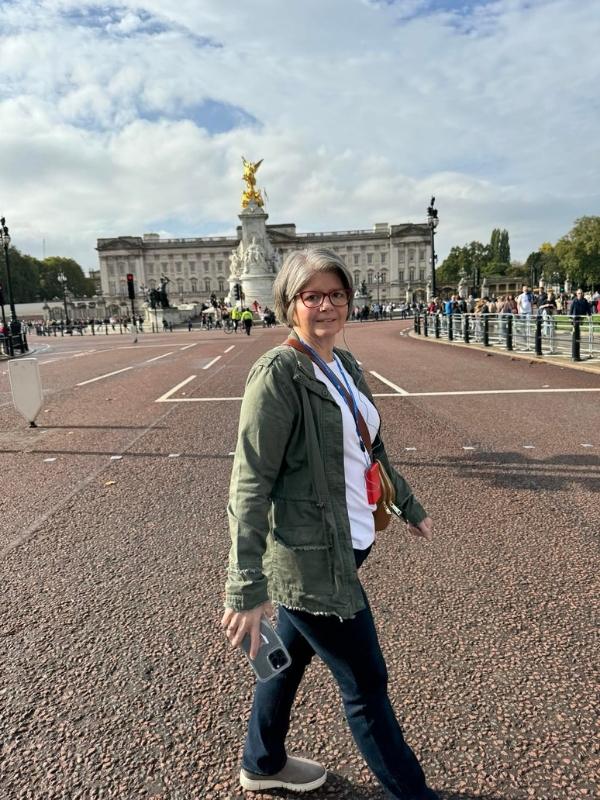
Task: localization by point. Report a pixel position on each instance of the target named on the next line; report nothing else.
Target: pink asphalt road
(116, 679)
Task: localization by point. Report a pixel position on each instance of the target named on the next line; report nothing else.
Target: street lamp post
(379, 279)
(15, 326)
(62, 279)
(432, 219)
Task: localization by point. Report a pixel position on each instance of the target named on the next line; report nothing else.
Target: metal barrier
(13, 343)
(574, 337)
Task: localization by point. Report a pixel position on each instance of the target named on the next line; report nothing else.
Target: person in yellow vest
(247, 318)
(235, 318)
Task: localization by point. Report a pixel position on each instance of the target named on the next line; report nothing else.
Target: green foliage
(77, 284)
(25, 276)
(578, 253)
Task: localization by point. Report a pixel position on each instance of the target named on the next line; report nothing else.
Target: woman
(301, 525)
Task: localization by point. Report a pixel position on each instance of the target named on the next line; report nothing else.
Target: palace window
(370, 276)
(194, 283)
(411, 274)
(356, 278)
(221, 281)
(207, 284)
(219, 265)
(383, 258)
(150, 269)
(369, 258)
(178, 266)
(421, 274)
(357, 258)
(192, 266)
(401, 276)
(205, 264)
(411, 254)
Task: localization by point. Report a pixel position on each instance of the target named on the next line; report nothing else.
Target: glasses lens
(338, 297)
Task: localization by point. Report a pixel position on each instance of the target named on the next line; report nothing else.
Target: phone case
(272, 657)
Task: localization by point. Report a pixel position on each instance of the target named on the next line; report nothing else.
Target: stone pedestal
(254, 262)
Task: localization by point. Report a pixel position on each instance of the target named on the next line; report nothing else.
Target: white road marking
(108, 375)
(174, 455)
(229, 348)
(156, 358)
(483, 391)
(468, 447)
(410, 448)
(232, 453)
(586, 444)
(165, 397)
(116, 458)
(210, 363)
(187, 347)
(528, 447)
(388, 383)
(48, 460)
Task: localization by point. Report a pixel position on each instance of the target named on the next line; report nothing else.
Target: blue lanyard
(326, 369)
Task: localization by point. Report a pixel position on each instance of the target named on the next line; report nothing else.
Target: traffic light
(237, 291)
(130, 286)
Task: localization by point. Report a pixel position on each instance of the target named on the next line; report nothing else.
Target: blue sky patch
(212, 115)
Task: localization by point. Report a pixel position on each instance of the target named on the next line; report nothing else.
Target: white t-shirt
(524, 303)
(360, 512)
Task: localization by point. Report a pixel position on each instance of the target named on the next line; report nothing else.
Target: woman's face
(324, 322)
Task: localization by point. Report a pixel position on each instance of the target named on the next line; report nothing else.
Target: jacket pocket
(299, 524)
(302, 565)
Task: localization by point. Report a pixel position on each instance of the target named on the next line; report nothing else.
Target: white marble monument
(254, 262)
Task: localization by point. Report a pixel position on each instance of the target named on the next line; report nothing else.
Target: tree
(498, 252)
(578, 253)
(25, 276)
(77, 283)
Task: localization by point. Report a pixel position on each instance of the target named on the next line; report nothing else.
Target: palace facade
(394, 261)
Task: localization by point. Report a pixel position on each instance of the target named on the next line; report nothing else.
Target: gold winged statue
(251, 194)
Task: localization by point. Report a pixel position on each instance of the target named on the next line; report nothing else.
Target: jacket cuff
(244, 595)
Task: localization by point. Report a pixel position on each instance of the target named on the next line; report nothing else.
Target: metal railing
(558, 335)
(12, 343)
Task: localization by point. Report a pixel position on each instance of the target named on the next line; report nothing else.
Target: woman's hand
(423, 529)
(238, 624)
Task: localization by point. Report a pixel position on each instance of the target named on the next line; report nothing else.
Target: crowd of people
(527, 303)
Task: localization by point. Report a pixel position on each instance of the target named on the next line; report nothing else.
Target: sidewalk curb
(582, 367)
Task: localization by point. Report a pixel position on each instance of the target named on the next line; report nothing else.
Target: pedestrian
(525, 302)
(171, 327)
(298, 488)
(190, 324)
(580, 306)
(247, 318)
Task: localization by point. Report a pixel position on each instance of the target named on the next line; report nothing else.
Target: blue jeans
(350, 649)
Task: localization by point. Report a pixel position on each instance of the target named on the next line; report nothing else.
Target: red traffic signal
(130, 286)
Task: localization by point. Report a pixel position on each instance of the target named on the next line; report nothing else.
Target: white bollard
(26, 387)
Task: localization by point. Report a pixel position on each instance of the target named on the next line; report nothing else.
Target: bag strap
(362, 425)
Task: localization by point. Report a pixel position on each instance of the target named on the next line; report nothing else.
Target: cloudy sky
(133, 117)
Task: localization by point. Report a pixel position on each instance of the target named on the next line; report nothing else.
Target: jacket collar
(305, 372)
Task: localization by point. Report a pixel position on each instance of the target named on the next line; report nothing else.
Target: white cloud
(364, 110)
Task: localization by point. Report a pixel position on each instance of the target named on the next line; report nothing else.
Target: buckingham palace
(394, 261)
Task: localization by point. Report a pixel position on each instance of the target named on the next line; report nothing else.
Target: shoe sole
(257, 785)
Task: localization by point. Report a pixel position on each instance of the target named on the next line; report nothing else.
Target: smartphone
(272, 657)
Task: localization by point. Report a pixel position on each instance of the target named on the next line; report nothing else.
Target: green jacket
(288, 520)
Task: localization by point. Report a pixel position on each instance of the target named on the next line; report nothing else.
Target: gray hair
(298, 268)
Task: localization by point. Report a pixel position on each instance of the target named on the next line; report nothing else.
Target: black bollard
(418, 323)
(576, 340)
(425, 324)
(450, 327)
(538, 336)
(509, 332)
(486, 331)
(436, 323)
(466, 332)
